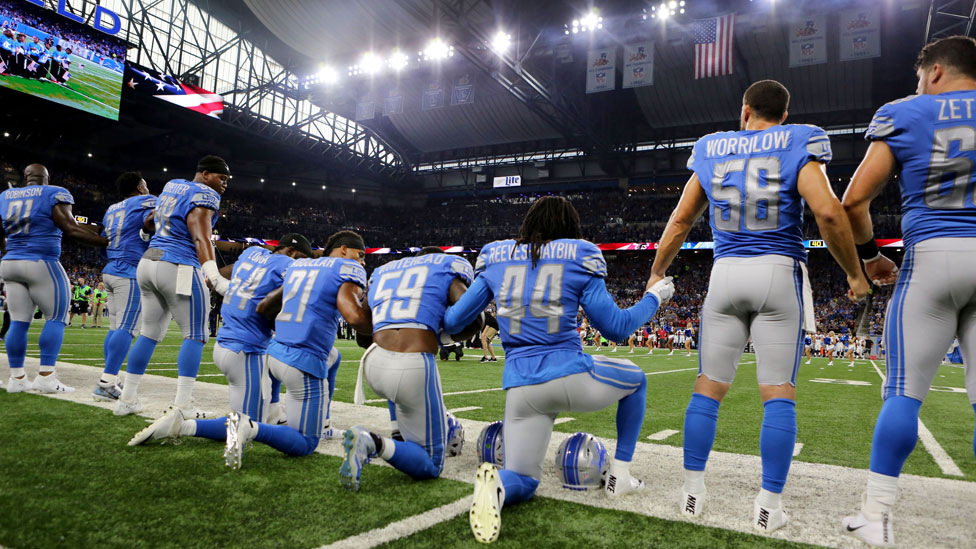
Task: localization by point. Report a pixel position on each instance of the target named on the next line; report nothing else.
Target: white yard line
(561, 420)
(405, 527)
(932, 446)
(669, 371)
(464, 409)
(796, 448)
(661, 435)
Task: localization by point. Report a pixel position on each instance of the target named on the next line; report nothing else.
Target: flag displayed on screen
(168, 88)
(713, 46)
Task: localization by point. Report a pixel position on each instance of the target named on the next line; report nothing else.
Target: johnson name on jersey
(123, 222)
(414, 290)
(933, 138)
(750, 178)
(256, 273)
(178, 198)
(28, 223)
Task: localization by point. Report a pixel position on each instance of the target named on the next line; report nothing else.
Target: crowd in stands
(81, 36)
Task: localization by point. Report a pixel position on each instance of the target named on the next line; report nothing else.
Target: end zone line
(405, 527)
(932, 446)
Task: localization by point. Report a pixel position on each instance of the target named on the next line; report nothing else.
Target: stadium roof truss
(261, 95)
(949, 18)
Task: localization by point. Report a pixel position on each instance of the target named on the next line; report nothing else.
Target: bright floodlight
(438, 49)
(500, 42)
(590, 20)
(327, 76)
(370, 63)
(398, 60)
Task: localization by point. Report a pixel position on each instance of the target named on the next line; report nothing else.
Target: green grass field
(94, 89)
(73, 482)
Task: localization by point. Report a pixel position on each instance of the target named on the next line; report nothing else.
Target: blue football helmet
(455, 436)
(582, 462)
(491, 449)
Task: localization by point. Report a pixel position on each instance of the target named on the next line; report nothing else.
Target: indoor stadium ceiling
(507, 114)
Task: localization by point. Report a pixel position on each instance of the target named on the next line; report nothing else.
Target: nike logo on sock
(849, 529)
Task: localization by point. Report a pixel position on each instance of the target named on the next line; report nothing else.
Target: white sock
(17, 372)
(694, 481)
(881, 495)
(389, 446)
(394, 426)
(188, 428)
(108, 380)
(46, 370)
(769, 500)
(131, 390)
(255, 426)
(619, 468)
(184, 389)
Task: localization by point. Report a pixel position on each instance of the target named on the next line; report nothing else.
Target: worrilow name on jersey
(771, 141)
(551, 250)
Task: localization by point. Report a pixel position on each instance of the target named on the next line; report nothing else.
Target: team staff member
(80, 301)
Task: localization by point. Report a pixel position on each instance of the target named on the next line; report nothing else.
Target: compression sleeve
(613, 322)
(462, 313)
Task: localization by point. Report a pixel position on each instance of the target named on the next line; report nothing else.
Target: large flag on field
(713, 45)
(168, 88)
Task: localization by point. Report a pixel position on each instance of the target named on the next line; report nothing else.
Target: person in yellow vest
(80, 297)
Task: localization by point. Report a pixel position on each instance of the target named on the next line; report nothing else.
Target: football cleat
(397, 435)
(692, 505)
(455, 436)
(878, 533)
(276, 414)
(768, 520)
(106, 394)
(166, 426)
(15, 385)
(123, 408)
(240, 431)
(618, 485)
(359, 447)
(51, 384)
(485, 516)
(331, 433)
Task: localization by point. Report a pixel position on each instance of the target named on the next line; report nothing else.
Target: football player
(756, 181)
(407, 299)
(128, 224)
(242, 341)
(306, 312)
(171, 279)
(35, 216)
(539, 280)
(931, 139)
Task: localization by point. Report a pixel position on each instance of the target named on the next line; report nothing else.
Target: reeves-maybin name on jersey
(28, 223)
(414, 290)
(750, 178)
(933, 138)
(256, 273)
(305, 329)
(123, 221)
(179, 196)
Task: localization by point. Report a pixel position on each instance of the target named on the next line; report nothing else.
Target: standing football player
(539, 281)
(407, 299)
(931, 139)
(306, 311)
(242, 342)
(35, 216)
(171, 279)
(756, 181)
(128, 225)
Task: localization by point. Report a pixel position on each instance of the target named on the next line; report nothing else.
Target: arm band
(868, 251)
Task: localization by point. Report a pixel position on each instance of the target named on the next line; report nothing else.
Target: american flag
(713, 46)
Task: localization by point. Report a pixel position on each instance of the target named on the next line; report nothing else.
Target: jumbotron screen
(50, 56)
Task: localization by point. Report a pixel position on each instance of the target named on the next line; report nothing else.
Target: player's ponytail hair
(549, 218)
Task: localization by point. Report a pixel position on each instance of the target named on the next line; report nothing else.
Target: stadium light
(292, 183)
(164, 169)
(668, 9)
(354, 190)
(327, 76)
(262, 181)
(6, 134)
(398, 60)
(323, 187)
(89, 155)
(590, 21)
(437, 49)
(370, 63)
(500, 42)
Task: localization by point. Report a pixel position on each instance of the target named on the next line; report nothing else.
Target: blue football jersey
(256, 274)
(933, 138)
(123, 221)
(414, 290)
(750, 178)
(28, 224)
(305, 329)
(179, 196)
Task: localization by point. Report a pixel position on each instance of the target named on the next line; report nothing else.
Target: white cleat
(485, 516)
(768, 520)
(618, 486)
(167, 426)
(332, 433)
(51, 384)
(19, 385)
(277, 415)
(239, 433)
(877, 533)
(124, 408)
(692, 505)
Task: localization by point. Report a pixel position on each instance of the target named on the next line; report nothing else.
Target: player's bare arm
(454, 293)
(868, 182)
(690, 208)
(63, 218)
(348, 301)
(199, 223)
(270, 306)
(834, 227)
